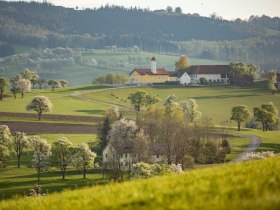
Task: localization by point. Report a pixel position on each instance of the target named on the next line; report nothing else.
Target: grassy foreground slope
(249, 185)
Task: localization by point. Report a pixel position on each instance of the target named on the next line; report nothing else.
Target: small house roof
(176, 73)
(149, 72)
(209, 69)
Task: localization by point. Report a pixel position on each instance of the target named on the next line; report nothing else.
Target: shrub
(258, 155)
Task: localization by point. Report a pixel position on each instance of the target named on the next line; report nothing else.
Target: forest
(42, 25)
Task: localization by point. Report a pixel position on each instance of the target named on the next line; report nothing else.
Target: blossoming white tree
(84, 158)
(18, 143)
(40, 104)
(190, 109)
(61, 154)
(23, 86)
(41, 155)
(5, 138)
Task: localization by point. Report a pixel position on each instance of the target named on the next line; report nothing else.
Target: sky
(228, 9)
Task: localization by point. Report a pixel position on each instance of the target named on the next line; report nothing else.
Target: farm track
(252, 147)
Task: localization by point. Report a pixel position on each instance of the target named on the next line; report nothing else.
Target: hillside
(44, 25)
(249, 185)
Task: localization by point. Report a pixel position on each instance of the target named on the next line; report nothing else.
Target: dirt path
(252, 147)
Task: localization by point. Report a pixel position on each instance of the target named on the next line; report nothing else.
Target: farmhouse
(149, 75)
(210, 73)
(126, 155)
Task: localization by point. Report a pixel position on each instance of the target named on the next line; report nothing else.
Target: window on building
(157, 156)
(106, 155)
(126, 164)
(126, 155)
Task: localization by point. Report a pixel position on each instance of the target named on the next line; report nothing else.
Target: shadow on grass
(90, 111)
(224, 96)
(269, 146)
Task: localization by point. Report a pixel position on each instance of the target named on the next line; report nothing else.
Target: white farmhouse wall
(157, 159)
(185, 79)
(209, 77)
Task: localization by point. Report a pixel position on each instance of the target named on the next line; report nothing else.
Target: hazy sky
(228, 9)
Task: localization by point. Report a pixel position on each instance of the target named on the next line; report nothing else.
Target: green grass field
(61, 99)
(249, 185)
(214, 102)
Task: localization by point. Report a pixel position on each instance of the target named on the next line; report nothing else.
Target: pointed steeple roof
(153, 59)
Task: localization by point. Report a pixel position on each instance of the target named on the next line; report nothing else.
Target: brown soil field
(53, 128)
(53, 117)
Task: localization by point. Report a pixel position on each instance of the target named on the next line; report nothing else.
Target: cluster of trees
(266, 114)
(22, 82)
(272, 81)
(111, 78)
(60, 154)
(174, 128)
(243, 74)
(247, 40)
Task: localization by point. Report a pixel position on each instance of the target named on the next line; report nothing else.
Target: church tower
(153, 65)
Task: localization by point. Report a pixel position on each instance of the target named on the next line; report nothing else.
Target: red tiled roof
(209, 69)
(149, 72)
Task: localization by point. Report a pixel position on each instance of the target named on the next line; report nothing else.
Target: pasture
(214, 102)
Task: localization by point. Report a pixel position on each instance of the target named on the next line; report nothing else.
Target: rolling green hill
(250, 185)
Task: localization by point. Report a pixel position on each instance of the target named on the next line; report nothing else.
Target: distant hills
(44, 25)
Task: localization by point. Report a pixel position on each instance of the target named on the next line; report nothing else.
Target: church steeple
(153, 65)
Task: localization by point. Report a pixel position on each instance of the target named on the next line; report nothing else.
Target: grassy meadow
(248, 185)
(214, 101)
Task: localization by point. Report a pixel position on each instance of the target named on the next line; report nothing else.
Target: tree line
(60, 154)
(22, 83)
(196, 36)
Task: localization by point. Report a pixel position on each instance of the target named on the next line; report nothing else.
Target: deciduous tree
(62, 155)
(40, 104)
(32, 76)
(54, 84)
(190, 108)
(63, 83)
(240, 114)
(18, 144)
(182, 63)
(5, 140)
(84, 158)
(23, 86)
(4, 83)
(267, 114)
(41, 155)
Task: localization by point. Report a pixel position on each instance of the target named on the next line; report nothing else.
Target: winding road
(252, 147)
